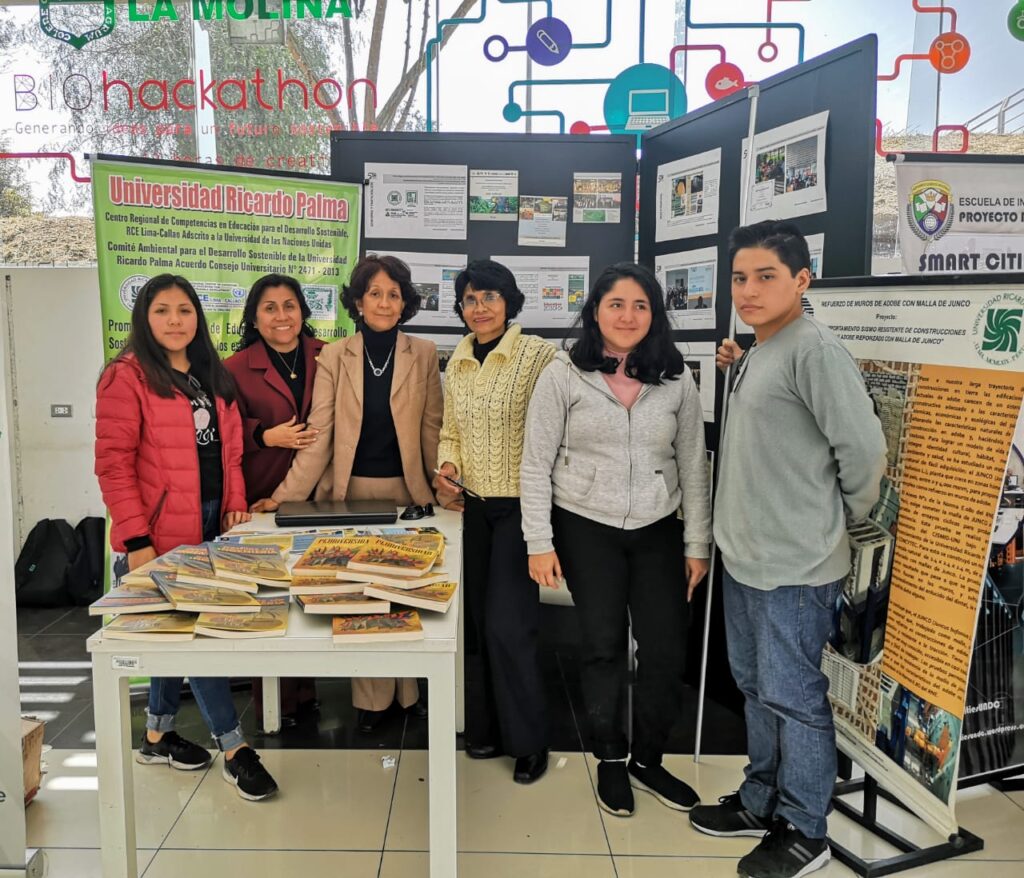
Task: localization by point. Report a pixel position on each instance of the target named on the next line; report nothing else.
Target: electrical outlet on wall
(60, 410)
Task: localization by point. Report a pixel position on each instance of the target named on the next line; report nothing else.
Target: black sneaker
(614, 794)
(174, 750)
(668, 790)
(728, 818)
(785, 852)
(245, 772)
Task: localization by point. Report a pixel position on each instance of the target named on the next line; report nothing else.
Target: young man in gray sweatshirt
(801, 457)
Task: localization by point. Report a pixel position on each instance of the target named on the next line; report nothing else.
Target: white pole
(753, 95)
(14, 859)
(206, 132)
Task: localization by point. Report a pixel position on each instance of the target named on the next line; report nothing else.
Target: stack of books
(210, 590)
(371, 574)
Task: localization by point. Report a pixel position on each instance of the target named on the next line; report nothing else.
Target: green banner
(221, 230)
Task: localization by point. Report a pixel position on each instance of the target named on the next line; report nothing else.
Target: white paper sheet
(543, 220)
(689, 281)
(700, 359)
(687, 196)
(789, 170)
(596, 197)
(415, 201)
(493, 196)
(555, 287)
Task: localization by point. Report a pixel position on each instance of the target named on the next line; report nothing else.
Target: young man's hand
(546, 570)
(696, 570)
(235, 516)
(141, 556)
(728, 353)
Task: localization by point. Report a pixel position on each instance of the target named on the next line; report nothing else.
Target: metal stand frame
(912, 856)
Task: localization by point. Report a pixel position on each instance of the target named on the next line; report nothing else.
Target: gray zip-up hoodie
(587, 453)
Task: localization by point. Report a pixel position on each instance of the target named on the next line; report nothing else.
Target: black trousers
(504, 690)
(616, 576)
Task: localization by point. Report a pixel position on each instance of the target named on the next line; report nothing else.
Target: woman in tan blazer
(377, 411)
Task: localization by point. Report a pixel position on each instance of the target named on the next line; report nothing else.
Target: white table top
(312, 633)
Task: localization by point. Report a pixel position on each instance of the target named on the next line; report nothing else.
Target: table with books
(276, 602)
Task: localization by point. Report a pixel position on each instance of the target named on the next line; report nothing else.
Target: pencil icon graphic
(546, 40)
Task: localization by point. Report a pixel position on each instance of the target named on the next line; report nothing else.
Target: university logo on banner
(51, 15)
(930, 211)
(997, 329)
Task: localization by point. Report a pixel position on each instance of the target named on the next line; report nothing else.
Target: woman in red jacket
(168, 459)
(273, 371)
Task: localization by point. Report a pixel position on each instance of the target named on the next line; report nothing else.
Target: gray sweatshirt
(587, 453)
(802, 455)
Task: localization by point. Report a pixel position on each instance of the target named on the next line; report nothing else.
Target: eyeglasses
(470, 302)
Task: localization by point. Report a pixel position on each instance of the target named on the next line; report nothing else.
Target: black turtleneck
(480, 351)
(377, 454)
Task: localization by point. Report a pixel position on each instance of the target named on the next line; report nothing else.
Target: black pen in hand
(459, 484)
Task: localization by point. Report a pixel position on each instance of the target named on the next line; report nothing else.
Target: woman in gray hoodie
(614, 451)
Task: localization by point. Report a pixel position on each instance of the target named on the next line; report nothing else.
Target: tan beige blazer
(337, 413)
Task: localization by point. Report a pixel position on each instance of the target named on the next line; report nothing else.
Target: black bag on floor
(85, 578)
(41, 571)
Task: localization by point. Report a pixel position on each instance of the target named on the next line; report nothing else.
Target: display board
(814, 164)
(556, 209)
(221, 228)
(960, 213)
(944, 365)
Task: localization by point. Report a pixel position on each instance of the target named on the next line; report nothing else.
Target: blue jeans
(213, 694)
(775, 639)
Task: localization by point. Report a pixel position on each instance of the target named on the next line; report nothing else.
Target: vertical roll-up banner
(938, 567)
(960, 216)
(221, 230)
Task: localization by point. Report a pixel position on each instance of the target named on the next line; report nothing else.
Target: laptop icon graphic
(648, 108)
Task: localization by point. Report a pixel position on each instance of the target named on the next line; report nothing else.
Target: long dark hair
(202, 355)
(250, 334)
(656, 358)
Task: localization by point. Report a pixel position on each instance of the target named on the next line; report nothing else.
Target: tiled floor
(343, 812)
(346, 813)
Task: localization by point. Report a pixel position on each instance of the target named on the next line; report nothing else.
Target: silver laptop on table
(329, 513)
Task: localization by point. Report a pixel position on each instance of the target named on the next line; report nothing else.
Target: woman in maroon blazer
(274, 370)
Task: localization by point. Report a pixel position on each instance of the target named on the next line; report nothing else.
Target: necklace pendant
(293, 376)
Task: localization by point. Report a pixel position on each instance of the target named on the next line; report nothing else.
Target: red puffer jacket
(147, 462)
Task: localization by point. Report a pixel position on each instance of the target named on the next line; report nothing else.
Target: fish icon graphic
(725, 83)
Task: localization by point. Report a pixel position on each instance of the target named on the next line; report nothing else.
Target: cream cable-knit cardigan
(485, 410)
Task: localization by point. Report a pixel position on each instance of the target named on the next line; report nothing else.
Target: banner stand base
(912, 856)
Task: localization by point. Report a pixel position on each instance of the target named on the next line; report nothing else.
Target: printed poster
(596, 198)
(689, 280)
(543, 220)
(687, 197)
(222, 230)
(555, 288)
(415, 201)
(433, 276)
(493, 196)
(700, 360)
(789, 170)
(960, 217)
(939, 551)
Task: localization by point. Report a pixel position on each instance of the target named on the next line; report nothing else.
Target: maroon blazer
(264, 400)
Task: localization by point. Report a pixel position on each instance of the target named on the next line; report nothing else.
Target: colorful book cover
(326, 583)
(131, 599)
(341, 604)
(263, 565)
(402, 625)
(203, 598)
(385, 556)
(362, 578)
(270, 621)
(330, 554)
(437, 596)
(140, 575)
(151, 626)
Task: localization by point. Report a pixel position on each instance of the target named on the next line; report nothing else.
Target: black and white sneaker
(785, 852)
(246, 773)
(666, 788)
(614, 794)
(728, 818)
(173, 750)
